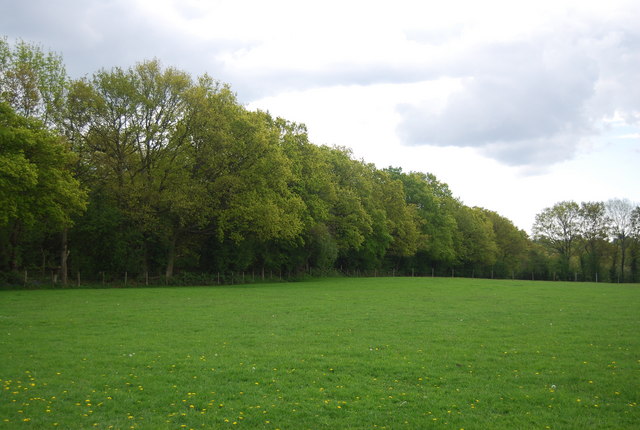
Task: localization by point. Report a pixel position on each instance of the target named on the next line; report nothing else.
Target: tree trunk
(44, 260)
(634, 262)
(623, 252)
(171, 256)
(145, 254)
(14, 236)
(614, 266)
(64, 254)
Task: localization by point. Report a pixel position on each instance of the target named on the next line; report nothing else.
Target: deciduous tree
(558, 227)
(433, 204)
(512, 244)
(620, 213)
(476, 245)
(37, 189)
(594, 230)
(32, 81)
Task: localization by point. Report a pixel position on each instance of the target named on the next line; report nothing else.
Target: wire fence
(37, 279)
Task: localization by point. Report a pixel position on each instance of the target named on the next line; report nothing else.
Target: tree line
(599, 240)
(148, 170)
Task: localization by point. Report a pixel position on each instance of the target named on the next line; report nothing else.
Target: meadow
(363, 353)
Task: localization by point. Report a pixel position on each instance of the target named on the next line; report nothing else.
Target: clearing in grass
(339, 353)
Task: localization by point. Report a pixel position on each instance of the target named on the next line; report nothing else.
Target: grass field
(340, 353)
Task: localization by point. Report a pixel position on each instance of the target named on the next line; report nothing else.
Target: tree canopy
(37, 189)
(149, 170)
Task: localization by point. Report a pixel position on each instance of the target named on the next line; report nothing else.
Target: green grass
(341, 353)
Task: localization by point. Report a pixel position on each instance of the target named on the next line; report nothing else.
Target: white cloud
(527, 101)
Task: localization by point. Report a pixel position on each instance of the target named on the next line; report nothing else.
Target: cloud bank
(536, 102)
(536, 81)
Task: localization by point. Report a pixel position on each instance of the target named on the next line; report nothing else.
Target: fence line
(38, 279)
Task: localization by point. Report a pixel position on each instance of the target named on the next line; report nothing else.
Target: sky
(516, 105)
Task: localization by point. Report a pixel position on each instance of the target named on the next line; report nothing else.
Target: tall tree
(179, 156)
(434, 206)
(33, 82)
(402, 219)
(635, 247)
(476, 244)
(348, 220)
(239, 156)
(36, 184)
(620, 212)
(312, 180)
(131, 130)
(512, 244)
(558, 228)
(594, 230)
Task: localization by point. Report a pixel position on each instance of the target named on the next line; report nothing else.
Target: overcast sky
(516, 105)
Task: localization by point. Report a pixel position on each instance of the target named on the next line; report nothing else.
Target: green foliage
(121, 244)
(402, 219)
(622, 217)
(37, 189)
(180, 156)
(324, 250)
(32, 82)
(558, 228)
(433, 208)
(511, 245)
(594, 230)
(182, 177)
(476, 245)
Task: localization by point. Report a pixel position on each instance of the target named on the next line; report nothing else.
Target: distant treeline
(150, 172)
